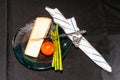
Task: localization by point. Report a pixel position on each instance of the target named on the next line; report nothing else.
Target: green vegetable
(57, 56)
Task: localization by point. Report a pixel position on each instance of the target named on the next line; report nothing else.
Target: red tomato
(47, 48)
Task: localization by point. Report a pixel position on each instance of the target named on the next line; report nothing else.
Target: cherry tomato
(47, 48)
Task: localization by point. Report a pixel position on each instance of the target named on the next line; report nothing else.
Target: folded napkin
(70, 26)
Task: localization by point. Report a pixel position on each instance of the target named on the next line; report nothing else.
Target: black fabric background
(100, 18)
(3, 39)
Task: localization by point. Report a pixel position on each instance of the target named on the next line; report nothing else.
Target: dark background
(101, 19)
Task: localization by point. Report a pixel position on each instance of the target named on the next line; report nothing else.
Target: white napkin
(69, 26)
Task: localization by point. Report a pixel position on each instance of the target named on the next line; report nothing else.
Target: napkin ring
(76, 40)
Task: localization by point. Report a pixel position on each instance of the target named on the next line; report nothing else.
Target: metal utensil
(63, 35)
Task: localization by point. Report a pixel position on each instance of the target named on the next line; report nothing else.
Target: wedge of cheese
(40, 30)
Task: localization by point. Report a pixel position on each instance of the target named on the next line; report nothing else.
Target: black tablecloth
(100, 18)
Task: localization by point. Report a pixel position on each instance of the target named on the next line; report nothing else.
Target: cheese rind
(40, 30)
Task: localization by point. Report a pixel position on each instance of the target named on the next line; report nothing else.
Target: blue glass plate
(42, 62)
